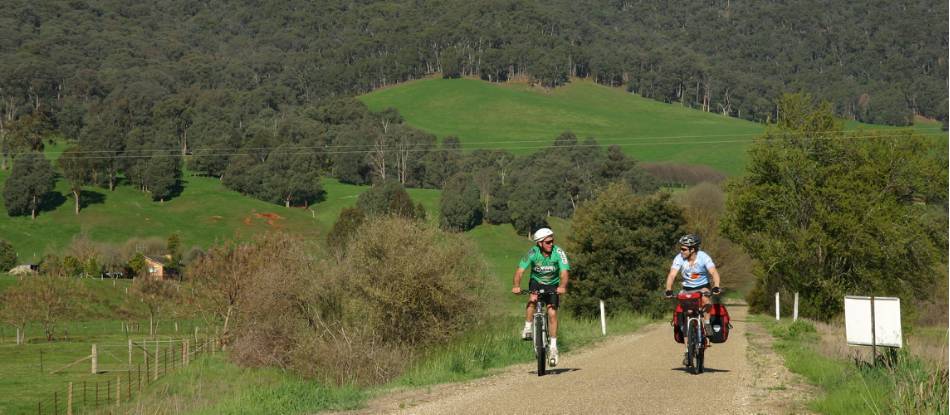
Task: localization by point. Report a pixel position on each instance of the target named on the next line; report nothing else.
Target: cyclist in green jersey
(548, 264)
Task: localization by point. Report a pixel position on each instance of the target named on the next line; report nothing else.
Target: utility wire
(165, 153)
(416, 147)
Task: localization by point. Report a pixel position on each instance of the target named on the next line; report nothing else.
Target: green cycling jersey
(545, 269)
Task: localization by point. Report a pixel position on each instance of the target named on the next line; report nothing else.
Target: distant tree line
(186, 73)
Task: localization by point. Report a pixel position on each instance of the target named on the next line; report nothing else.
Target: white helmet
(542, 233)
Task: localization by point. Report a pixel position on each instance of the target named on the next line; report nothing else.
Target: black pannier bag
(719, 325)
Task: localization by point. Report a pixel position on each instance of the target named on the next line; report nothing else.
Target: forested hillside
(877, 61)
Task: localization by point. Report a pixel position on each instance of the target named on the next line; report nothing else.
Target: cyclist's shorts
(550, 292)
(697, 288)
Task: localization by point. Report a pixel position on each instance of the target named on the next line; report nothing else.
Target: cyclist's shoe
(552, 357)
(526, 333)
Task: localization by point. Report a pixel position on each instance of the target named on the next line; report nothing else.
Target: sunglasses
(548, 242)
(684, 249)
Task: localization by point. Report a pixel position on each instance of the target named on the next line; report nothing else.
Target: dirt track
(634, 374)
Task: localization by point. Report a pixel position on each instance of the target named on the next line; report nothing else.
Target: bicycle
(540, 338)
(693, 329)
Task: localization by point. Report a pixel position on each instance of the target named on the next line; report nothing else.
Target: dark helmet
(690, 241)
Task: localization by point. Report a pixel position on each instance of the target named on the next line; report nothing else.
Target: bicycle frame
(539, 330)
(694, 333)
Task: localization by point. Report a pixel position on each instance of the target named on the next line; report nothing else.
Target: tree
(45, 299)
(461, 209)
(31, 179)
(77, 170)
(386, 198)
(154, 295)
(344, 229)
(293, 176)
(7, 256)
(163, 176)
(828, 214)
(620, 250)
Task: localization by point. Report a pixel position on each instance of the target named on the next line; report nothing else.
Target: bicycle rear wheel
(540, 345)
(691, 342)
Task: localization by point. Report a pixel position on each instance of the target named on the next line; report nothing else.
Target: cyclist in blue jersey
(549, 270)
(696, 268)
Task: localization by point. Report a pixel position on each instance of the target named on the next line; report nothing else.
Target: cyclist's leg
(532, 300)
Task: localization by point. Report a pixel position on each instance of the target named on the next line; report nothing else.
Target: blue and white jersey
(694, 275)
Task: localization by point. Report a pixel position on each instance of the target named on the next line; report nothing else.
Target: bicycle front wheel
(540, 344)
(691, 345)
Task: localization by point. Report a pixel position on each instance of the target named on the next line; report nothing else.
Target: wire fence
(119, 373)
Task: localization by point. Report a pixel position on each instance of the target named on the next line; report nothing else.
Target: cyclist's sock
(527, 325)
(554, 342)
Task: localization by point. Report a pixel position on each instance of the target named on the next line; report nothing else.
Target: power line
(314, 149)
(415, 147)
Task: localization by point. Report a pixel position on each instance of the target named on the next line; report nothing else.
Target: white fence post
(95, 360)
(776, 306)
(795, 312)
(603, 319)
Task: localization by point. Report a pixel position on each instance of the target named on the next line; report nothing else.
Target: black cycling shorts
(689, 289)
(550, 292)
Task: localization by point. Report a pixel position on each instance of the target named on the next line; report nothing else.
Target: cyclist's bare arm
(516, 288)
(562, 287)
(715, 276)
(670, 277)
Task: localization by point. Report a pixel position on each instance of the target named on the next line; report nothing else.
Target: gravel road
(639, 373)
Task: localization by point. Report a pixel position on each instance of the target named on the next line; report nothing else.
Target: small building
(159, 268)
(155, 268)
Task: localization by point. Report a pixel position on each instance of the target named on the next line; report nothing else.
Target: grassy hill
(522, 119)
(205, 212)
(518, 118)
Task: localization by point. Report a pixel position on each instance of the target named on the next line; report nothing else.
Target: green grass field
(521, 119)
(205, 213)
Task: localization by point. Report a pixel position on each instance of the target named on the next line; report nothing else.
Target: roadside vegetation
(899, 383)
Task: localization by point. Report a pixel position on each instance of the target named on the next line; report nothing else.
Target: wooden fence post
(69, 399)
(95, 360)
(156, 362)
(118, 390)
(130, 354)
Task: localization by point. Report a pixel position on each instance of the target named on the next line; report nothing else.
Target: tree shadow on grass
(50, 202)
(89, 197)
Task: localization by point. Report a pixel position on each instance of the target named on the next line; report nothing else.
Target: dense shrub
(676, 174)
(461, 206)
(387, 198)
(344, 228)
(348, 321)
(620, 248)
(7, 256)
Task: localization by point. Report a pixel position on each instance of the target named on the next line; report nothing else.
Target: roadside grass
(906, 385)
(213, 385)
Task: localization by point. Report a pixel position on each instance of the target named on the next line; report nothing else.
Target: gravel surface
(640, 373)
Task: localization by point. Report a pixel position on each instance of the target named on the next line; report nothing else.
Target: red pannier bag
(677, 324)
(719, 323)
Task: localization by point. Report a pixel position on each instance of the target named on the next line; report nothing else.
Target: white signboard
(887, 321)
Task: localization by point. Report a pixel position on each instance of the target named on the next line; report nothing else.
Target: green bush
(461, 207)
(7, 256)
(620, 251)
